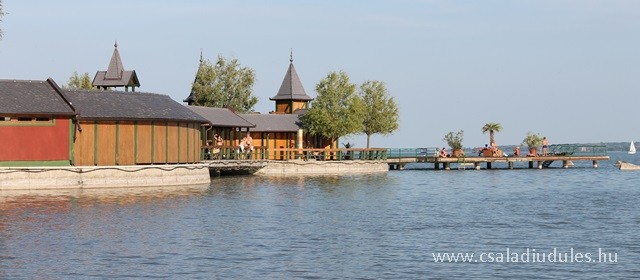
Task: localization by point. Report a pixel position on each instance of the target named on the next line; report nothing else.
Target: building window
(27, 121)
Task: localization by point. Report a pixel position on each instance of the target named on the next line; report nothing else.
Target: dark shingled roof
(32, 97)
(273, 122)
(220, 117)
(116, 76)
(117, 105)
(291, 88)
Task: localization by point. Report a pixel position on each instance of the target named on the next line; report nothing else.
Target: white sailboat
(632, 148)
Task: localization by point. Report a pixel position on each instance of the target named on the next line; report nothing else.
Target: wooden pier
(533, 162)
(566, 154)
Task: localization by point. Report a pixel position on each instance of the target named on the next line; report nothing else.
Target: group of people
(496, 152)
(213, 148)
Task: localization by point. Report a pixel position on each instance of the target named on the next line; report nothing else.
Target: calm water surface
(386, 226)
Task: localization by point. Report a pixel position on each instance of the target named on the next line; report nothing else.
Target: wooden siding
(144, 143)
(159, 142)
(118, 142)
(106, 143)
(183, 148)
(172, 142)
(35, 140)
(126, 144)
(84, 143)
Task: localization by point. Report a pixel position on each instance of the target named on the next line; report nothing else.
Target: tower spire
(291, 56)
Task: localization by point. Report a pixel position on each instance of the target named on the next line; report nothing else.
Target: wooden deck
(533, 162)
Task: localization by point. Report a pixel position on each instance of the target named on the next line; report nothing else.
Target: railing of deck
(411, 152)
(577, 150)
(264, 153)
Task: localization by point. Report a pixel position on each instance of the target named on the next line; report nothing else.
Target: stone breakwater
(299, 167)
(42, 178)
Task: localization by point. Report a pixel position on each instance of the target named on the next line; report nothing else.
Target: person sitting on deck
(248, 142)
(207, 150)
(516, 151)
(545, 146)
(443, 153)
(241, 146)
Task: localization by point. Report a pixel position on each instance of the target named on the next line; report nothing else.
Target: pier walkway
(565, 154)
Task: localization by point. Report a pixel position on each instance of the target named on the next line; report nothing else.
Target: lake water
(385, 226)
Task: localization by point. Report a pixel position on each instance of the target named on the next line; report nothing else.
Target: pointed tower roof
(291, 88)
(116, 76)
(192, 96)
(114, 72)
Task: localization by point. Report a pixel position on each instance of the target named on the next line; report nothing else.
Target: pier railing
(578, 150)
(266, 153)
(411, 152)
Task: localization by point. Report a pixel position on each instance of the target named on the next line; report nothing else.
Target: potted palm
(454, 140)
(532, 140)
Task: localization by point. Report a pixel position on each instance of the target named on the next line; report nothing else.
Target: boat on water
(632, 148)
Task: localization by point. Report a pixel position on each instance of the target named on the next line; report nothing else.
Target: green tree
(491, 127)
(381, 111)
(337, 110)
(79, 81)
(225, 84)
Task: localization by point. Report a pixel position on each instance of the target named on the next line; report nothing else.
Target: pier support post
(511, 165)
(595, 164)
(476, 165)
(530, 164)
(447, 166)
(539, 164)
(488, 165)
(436, 166)
(400, 166)
(565, 164)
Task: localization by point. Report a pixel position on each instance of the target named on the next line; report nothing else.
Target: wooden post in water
(447, 166)
(595, 164)
(476, 165)
(530, 164)
(565, 164)
(488, 165)
(510, 164)
(436, 166)
(539, 164)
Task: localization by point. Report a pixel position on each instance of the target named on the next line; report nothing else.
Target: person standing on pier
(545, 146)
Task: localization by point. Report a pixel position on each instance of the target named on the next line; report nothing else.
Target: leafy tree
(381, 111)
(79, 81)
(491, 128)
(225, 84)
(337, 110)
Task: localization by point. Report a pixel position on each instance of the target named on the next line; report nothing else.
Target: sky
(568, 70)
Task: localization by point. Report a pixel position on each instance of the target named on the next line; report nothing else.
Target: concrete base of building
(312, 167)
(43, 178)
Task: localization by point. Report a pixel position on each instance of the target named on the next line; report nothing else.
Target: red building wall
(34, 142)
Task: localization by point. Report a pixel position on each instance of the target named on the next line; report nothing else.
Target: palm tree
(491, 127)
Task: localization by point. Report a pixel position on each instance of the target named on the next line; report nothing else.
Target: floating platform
(538, 162)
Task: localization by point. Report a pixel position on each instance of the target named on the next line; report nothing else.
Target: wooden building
(116, 76)
(121, 128)
(35, 124)
(224, 122)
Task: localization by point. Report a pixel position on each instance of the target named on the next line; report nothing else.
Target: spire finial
(116, 44)
(291, 56)
(201, 55)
